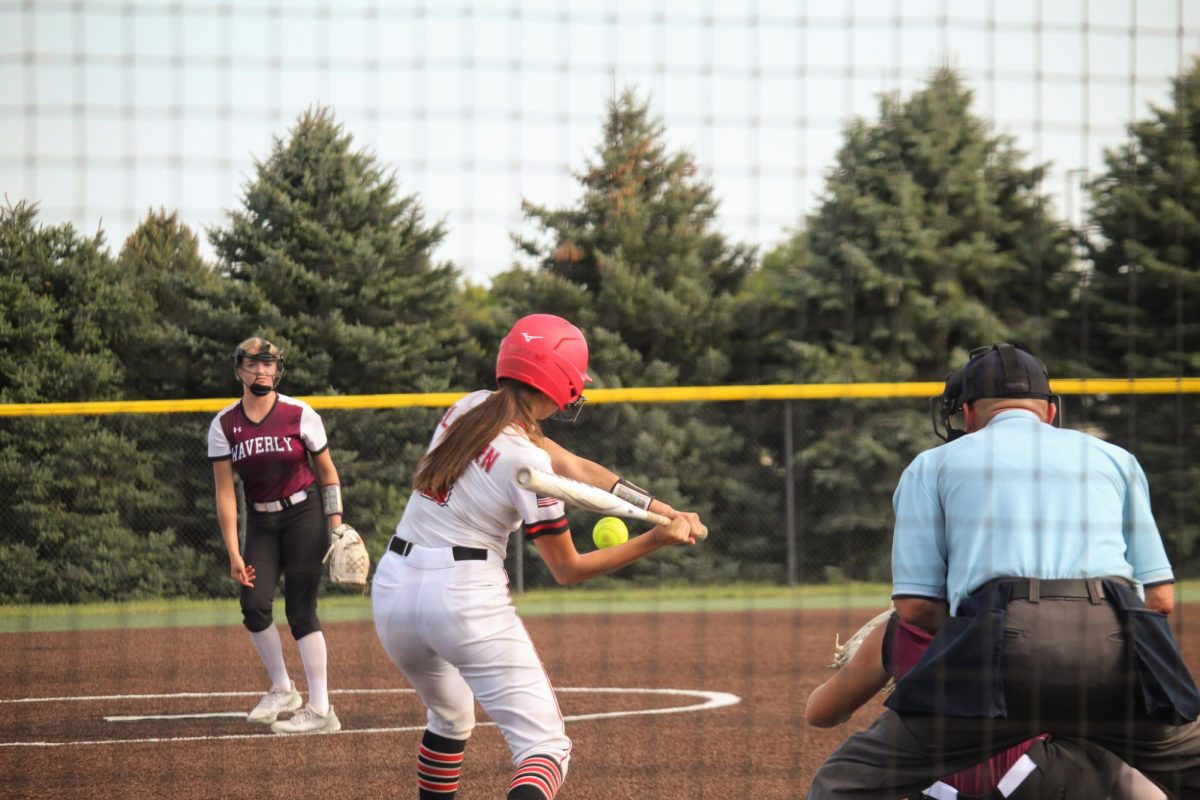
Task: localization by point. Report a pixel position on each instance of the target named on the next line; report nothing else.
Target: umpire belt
(1035, 589)
(435, 556)
(281, 504)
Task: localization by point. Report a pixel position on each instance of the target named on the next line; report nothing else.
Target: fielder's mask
(997, 370)
(259, 349)
(550, 354)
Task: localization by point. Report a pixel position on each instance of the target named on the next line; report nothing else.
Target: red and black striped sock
(538, 778)
(439, 766)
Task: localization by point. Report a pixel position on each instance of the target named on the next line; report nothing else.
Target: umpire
(1029, 549)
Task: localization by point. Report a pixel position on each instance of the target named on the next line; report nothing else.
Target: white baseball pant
(451, 628)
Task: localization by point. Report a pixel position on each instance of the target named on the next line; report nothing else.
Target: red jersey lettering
(487, 459)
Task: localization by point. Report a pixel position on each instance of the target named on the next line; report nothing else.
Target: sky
(111, 109)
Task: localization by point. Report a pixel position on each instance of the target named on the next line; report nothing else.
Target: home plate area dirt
(700, 705)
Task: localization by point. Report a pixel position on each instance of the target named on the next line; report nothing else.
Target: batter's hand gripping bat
(583, 495)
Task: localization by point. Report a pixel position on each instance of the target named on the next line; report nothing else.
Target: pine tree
(348, 265)
(78, 492)
(640, 253)
(639, 265)
(1146, 284)
(184, 348)
(1143, 298)
(362, 307)
(930, 238)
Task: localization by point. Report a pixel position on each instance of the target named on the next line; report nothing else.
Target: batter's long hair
(470, 433)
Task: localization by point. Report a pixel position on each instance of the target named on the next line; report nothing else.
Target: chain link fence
(122, 505)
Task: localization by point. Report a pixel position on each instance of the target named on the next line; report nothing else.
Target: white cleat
(309, 720)
(274, 703)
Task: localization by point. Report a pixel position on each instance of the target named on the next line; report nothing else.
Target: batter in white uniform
(440, 593)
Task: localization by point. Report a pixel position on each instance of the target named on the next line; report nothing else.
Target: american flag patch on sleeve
(546, 502)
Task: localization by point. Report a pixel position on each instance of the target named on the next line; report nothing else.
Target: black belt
(1034, 589)
(404, 547)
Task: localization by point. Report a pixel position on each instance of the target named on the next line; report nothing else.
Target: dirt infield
(129, 719)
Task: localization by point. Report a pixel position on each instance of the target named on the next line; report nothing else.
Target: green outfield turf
(340, 607)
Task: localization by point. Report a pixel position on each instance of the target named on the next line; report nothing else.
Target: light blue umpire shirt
(1020, 498)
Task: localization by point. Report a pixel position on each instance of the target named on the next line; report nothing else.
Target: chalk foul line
(708, 701)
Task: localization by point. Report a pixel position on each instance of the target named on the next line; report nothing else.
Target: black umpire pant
(1070, 769)
(290, 542)
(1066, 672)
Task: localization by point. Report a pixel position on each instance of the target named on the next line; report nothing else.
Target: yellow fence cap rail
(653, 394)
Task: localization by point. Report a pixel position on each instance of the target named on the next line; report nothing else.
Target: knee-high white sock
(270, 650)
(312, 653)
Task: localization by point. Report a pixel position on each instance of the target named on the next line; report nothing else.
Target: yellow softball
(609, 531)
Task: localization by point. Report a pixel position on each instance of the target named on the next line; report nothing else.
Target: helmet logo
(529, 337)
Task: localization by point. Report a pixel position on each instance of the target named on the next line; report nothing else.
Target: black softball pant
(290, 543)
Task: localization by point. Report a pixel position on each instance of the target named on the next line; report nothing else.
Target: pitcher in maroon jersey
(278, 448)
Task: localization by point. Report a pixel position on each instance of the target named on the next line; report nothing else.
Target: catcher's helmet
(997, 370)
(549, 354)
(256, 348)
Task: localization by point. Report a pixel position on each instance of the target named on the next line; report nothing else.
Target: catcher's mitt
(842, 653)
(349, 563)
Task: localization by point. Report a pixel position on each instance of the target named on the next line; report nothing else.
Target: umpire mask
(997, 370)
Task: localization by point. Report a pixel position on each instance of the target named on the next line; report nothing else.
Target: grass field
(342, 607)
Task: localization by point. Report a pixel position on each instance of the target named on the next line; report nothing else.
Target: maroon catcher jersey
(271, 456)
(903, 647)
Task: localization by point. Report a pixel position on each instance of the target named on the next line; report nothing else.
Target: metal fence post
(789, 493)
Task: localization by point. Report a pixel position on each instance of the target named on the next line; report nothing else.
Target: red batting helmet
(547, 353)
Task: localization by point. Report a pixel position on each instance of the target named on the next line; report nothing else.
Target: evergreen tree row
(934, 234)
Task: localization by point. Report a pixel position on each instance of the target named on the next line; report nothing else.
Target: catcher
(886, 648)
